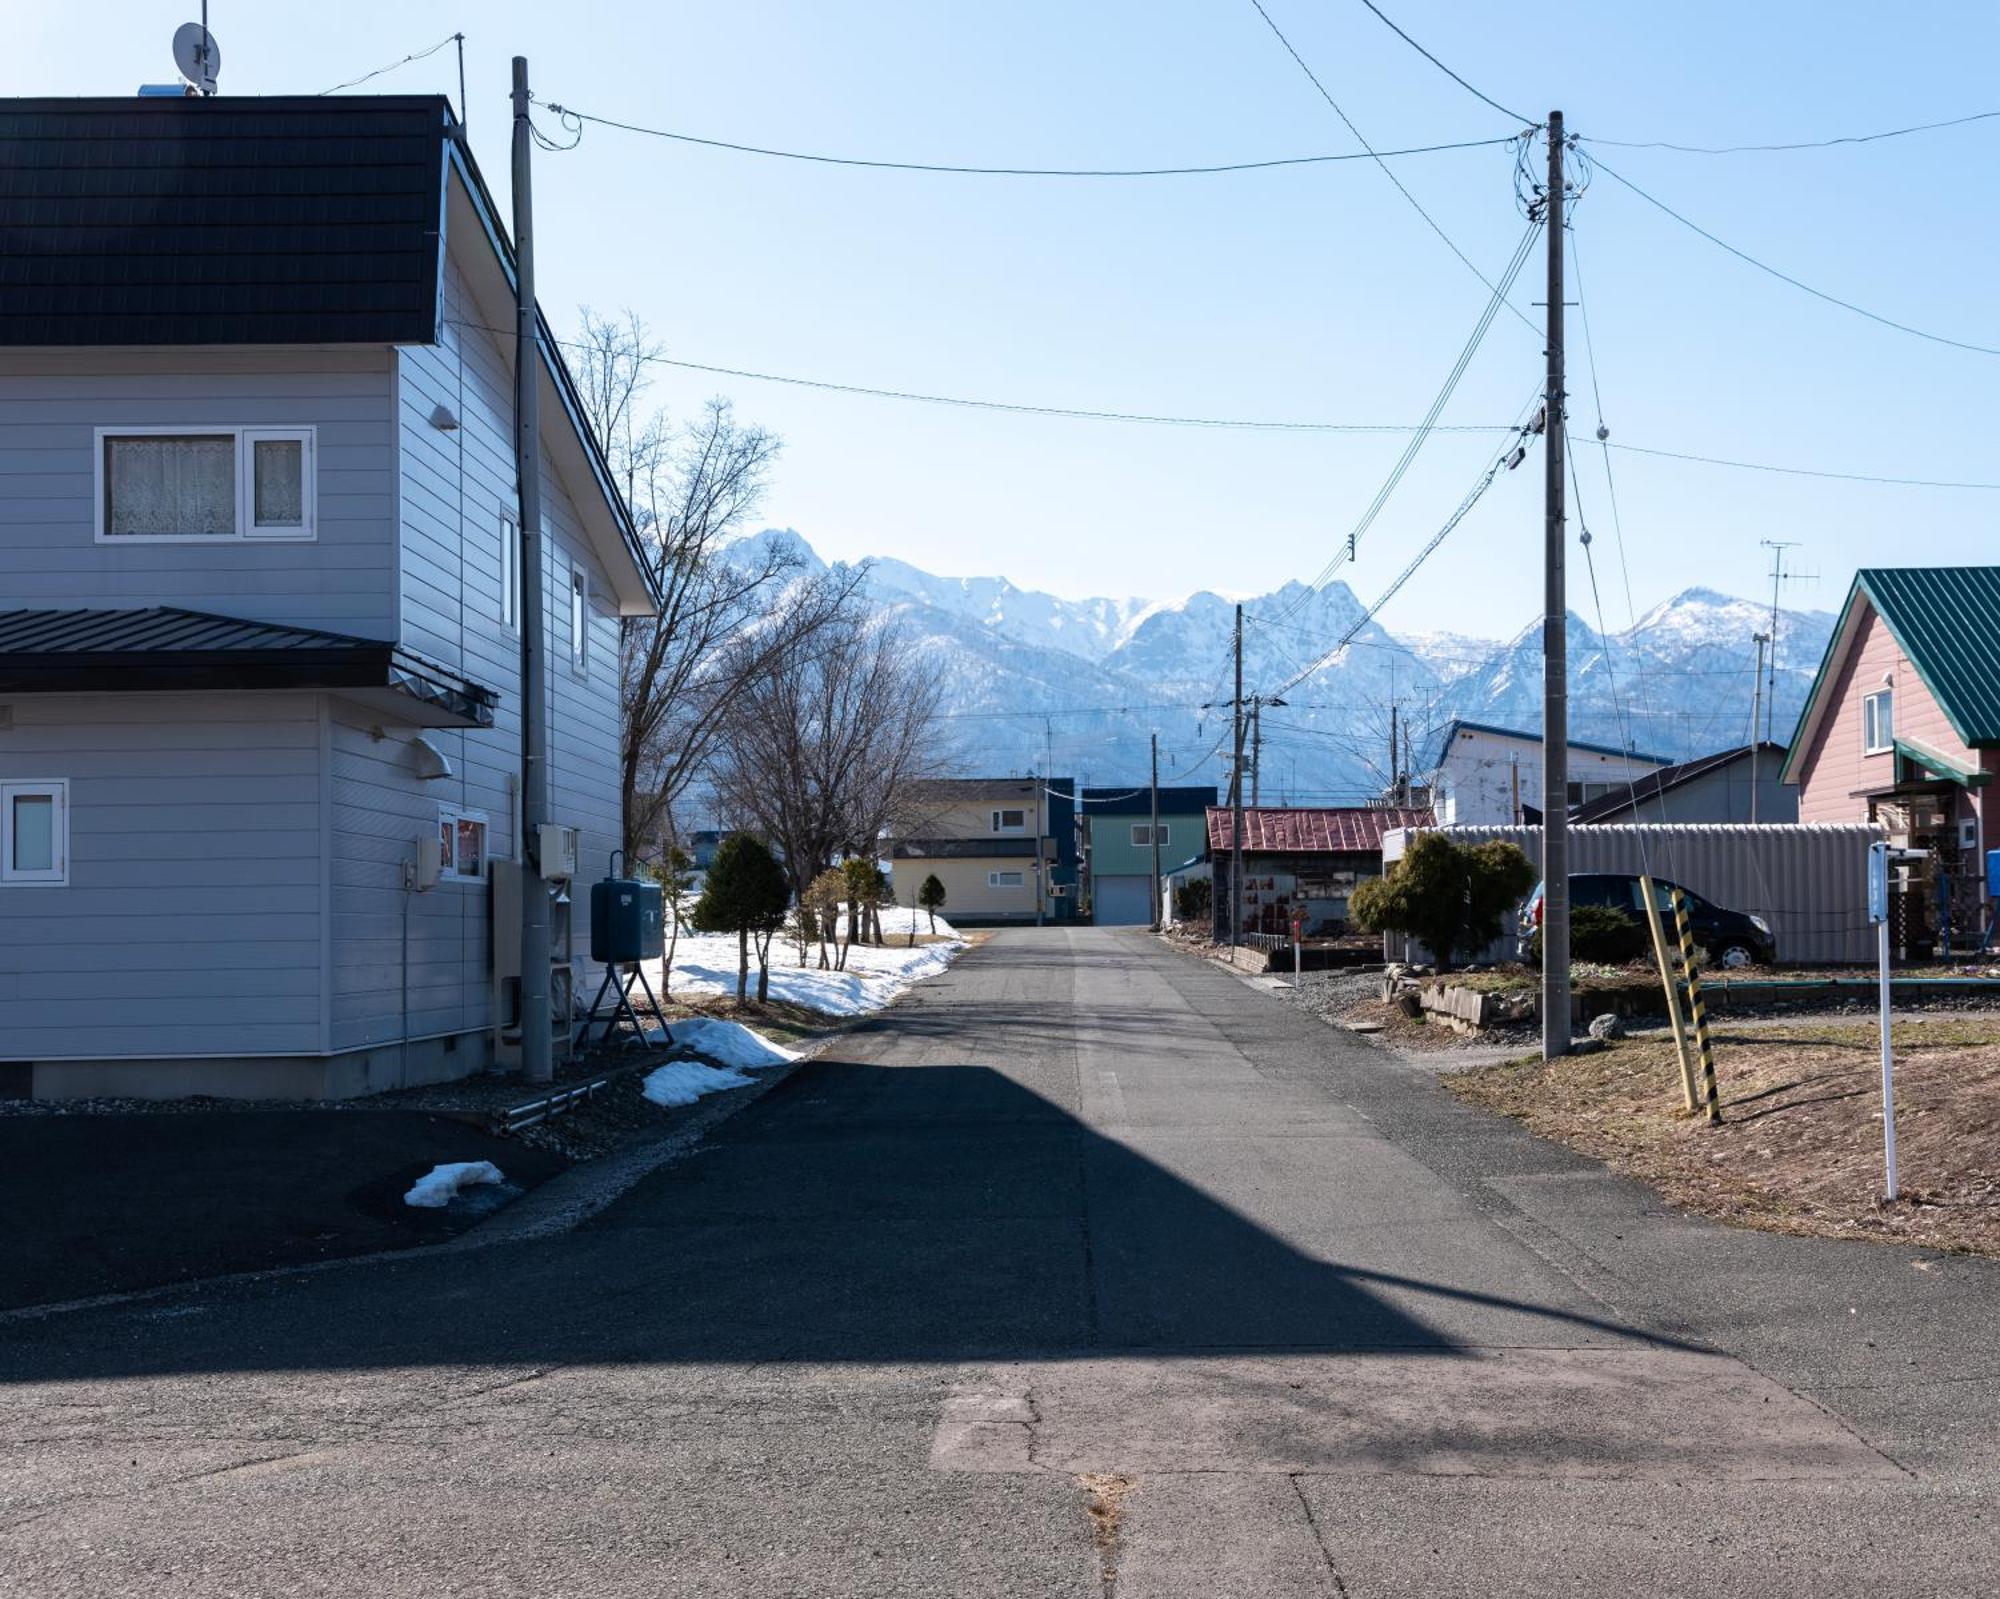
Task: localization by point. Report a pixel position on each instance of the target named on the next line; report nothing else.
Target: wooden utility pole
(1236, 799)
(537, 1016)
(1159, 913)
(1555, 644)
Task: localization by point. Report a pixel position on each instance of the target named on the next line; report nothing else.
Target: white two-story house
(260, 602)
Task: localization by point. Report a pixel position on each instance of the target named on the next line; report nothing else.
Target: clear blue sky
(1312, 292)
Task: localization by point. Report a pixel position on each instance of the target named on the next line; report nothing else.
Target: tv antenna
(1779, 577)
(197, 54)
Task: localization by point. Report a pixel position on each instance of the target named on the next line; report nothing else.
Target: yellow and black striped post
(1697, 1012)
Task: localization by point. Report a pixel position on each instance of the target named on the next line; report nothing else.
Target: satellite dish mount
(197, 55)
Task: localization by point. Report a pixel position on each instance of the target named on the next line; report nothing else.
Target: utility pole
(1159, 914)
(1756, 694)
(1236, 800)
(1041, 826)
(537, 1017)
(1256, 751)
(1777, 547)
(1394, 773)
(1555, 645)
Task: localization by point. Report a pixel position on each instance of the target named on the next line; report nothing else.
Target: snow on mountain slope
(1028, 677)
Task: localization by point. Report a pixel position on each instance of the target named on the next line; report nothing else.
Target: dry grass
(1799, 1149)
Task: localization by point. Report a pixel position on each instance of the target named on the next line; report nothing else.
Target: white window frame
(999, 879)
(245, 440)
(579, 621)
(450, 868)
(51, 788)
(1142, 834)
(1875, 739)
(510, 573)
(1000, 826)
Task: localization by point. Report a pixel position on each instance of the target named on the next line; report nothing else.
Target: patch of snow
(439, 1186)
(729, 1042)
(682, 1082)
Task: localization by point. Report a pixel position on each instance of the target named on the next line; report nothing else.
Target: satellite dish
(197, 55)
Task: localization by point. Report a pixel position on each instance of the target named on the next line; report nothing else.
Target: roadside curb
(563, 1203)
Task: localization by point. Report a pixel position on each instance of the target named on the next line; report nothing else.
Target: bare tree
(722, 620)
(827, 737)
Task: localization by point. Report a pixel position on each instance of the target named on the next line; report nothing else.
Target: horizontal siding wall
(455, 488)
(380, 809)
(1809, 883)
(191, 921)
(342, 580)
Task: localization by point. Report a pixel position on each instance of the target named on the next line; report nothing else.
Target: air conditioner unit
(557, 851)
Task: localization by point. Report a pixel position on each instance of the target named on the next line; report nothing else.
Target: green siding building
(1115, 827)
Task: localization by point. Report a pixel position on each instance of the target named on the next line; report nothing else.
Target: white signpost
(1880, 856)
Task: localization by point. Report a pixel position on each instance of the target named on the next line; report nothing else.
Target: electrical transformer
(627, 920)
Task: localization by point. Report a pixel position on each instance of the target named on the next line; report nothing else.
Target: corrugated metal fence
(1808, 880)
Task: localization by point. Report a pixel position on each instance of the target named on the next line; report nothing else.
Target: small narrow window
(579, 621)
(1878, 723)
(34, 832)
(462, 851)
(277, 492)
(510, 575)
(1005, 880)
(1144, 834)
(1010, 821)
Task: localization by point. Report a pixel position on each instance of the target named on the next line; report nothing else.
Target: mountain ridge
(1035, 681)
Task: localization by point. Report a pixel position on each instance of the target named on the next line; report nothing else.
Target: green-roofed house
(1902, 725)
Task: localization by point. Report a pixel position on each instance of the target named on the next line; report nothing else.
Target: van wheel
(1736, 955)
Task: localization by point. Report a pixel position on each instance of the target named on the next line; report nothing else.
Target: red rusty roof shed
(1337, 830)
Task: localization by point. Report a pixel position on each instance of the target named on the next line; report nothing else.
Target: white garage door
(1121, 902)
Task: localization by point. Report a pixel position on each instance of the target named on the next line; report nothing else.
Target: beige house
(996, 843)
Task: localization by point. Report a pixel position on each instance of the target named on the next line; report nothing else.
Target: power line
(1800, 471)
(1218, 423)
(1786, 277)
(1429, 221)
(405, 61)
(572, 118)
(1802, 144)
(1505, 458)
(1433, 60)
(1401, 469)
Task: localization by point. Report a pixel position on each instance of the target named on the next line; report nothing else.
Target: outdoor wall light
(444, 418)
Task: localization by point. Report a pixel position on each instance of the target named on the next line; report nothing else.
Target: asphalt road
(1086, 1271)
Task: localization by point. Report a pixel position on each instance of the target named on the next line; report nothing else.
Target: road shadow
(859, 1212)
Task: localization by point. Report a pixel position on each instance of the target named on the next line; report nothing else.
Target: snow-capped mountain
(1031, 679)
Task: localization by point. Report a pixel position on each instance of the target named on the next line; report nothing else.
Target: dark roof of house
(1342, 830)
(191, 220)
(1130, 801)
(949, 790)
(1946, 619)
(164, 647)
(1628, 795)
(1532, 736)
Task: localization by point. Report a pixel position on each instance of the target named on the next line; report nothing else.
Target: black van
(1732, 938)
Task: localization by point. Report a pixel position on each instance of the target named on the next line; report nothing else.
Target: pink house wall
(1833, 768)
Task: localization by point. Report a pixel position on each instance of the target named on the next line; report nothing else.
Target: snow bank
(682, 1082)
(705, 964)
(439, 1186)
